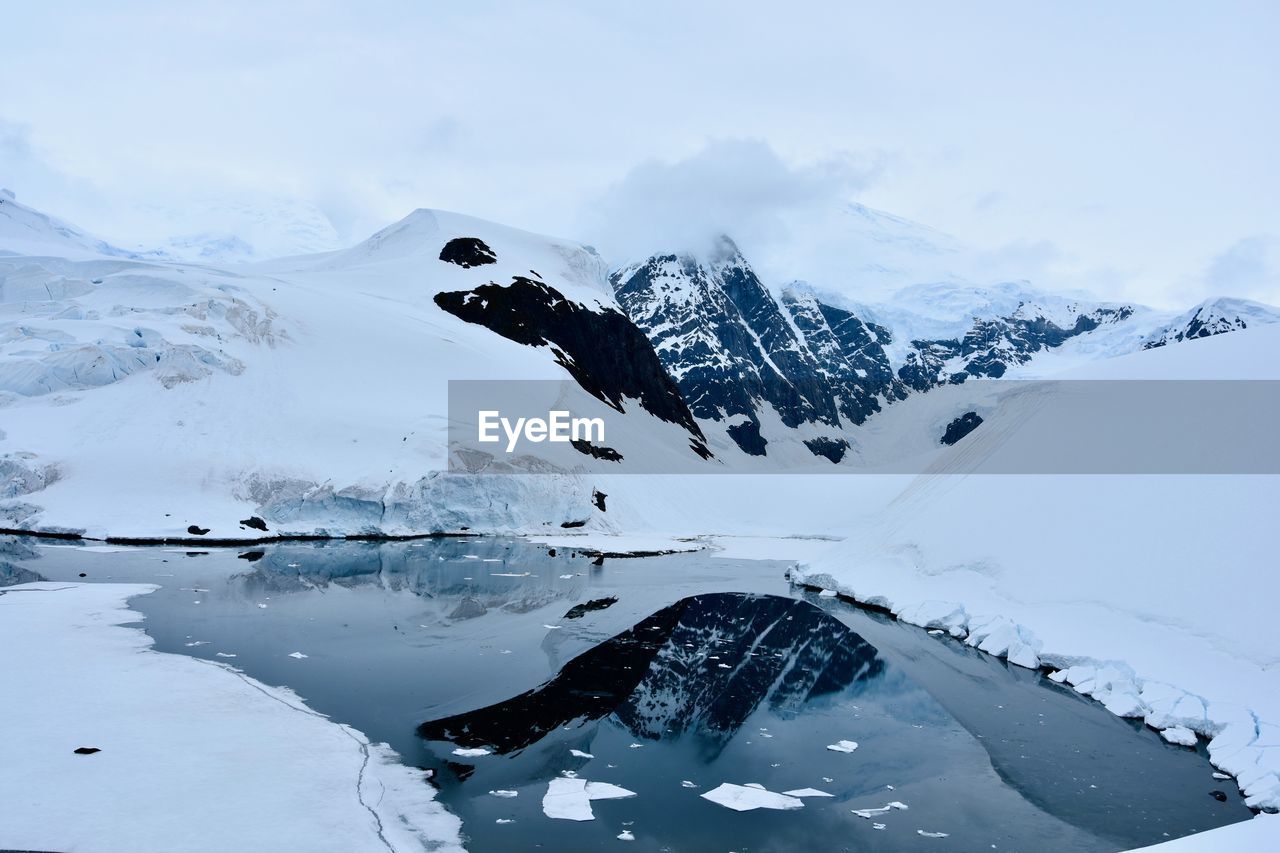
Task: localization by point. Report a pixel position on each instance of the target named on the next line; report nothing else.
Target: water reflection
(701, 667)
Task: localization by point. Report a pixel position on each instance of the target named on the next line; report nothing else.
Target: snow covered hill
(144, 397)
(809, 366)
(141, 398)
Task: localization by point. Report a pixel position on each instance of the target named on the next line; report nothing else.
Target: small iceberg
(745, 798)
(570, 798)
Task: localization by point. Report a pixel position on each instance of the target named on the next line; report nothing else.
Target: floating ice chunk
(1179, 735)
(636, 746)
(262, 606)
(745, 798)
(843, 746)
(687, 784)
(297, 655)
(885, 809)
(504, 820)
(504, 793)
(570, 799)
(828, 593)
(878, 826)
(566, 577)
(1221, 776)
(932, 834)
(472, 752)
(223, 655)
(509, 574)
(196, 643)
(806, 792)
(551, 627)
(724, 666)
(577, 753)
(755, 785)
(626, 835)
(569, 774)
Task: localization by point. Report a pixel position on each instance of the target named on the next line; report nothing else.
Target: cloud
(739, 187)
(1249, 268)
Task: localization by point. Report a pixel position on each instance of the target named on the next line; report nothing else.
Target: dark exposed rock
(467, 252)
(1206, 321)
(252, 556)
(551, 552)
(86, 750)
(603, 350)
(608, 454)
(195, 530)
(960, 427)
(992, 346)
(570, 524)
(598, 561)
(747, 436)
(598, 498)
(829, 448)
(254, 522)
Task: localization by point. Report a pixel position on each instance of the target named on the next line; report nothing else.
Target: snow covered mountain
(25, 231)
(306, 395)
(309, 394)
(762, 366)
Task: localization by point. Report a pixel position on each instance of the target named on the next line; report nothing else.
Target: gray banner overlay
(979, 427)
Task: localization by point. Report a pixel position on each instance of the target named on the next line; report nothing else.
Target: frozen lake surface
(568, 706)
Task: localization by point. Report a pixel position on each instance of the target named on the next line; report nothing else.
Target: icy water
(665, 676)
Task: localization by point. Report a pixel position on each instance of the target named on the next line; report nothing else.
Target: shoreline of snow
(1239, 743)
(196, 755)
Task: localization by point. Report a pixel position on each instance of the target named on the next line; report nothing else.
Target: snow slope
(1153, 593)
(139, 398)
(265, 771)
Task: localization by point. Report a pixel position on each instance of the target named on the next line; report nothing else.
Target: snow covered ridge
(219, 744)
(309, 393)
(761, 368)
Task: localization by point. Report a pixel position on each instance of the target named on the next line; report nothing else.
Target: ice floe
(745, 798)
(843, 746)
(570, 798)
(473, 752)
(885, 809)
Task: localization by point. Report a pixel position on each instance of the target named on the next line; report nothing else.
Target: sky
(1124, 149)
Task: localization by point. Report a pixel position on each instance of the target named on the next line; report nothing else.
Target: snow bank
(193, 755)
(1124, 585)
(1260, 835)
